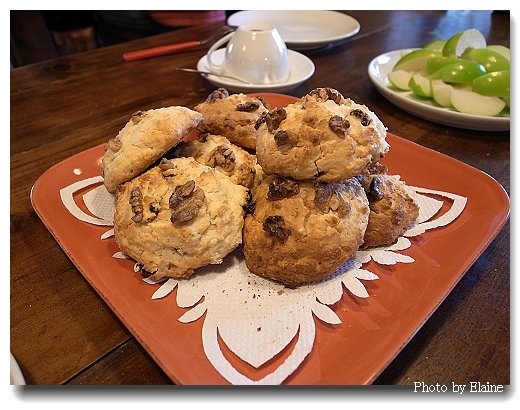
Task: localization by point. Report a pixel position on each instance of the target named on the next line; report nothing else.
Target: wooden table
(62, 332)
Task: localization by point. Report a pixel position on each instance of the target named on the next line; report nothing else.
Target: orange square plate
(373, 330)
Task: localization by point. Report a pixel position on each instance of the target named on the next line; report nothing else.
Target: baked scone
(145, 138)
(302, 231)
(321, 136)
(392, 207)
(233, 116)
(179, 216)
(218, 152)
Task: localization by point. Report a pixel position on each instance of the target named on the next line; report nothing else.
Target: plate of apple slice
(460, 81)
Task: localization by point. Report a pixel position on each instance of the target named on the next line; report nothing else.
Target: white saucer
(302, 29)
(301, 68)
(16, 375)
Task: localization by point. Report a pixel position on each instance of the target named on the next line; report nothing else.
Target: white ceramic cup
(255, 53)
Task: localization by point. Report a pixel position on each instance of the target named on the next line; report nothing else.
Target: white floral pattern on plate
(255, 317)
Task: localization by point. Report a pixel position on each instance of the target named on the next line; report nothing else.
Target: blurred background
(41, 35)
(31, 41)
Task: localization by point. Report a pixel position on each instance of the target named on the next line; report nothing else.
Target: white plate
(16, 375)
(378, 70)
(302, 29)
(300, 69)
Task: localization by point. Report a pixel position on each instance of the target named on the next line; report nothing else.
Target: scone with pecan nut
(301, 231)
(179, 216)
(392, 206)
(145, 138)
(321, 136)
(218, 152)
(233, 116)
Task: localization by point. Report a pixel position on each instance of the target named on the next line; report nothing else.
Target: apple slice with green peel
(420, 85)
(506, 100)
(400, 79)
(416, 60)
(441, 93)
(469, 102)
(495, 84)
(436, 63)
(503, 50)
(436, 45)
(491, 60)
(459, 42)
(463, 72)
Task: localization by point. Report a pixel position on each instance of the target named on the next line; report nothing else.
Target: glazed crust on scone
(392, 208)
(302, 231)
(321, 136)
(145, 138)
(179, 216)
(233, 116)
(218, 152)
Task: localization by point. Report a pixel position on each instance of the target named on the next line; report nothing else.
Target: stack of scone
(300, 186)
(179, 214)
(324, 195)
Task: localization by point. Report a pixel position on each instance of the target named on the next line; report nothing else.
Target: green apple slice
(459, 42)
(506, 100)
(463, 72)
(436, 63)
(503, 50)
(469, 102)
(495, 84)
(420, 86)
(491, 60)
(400, 79)
(416, 60)
(441, 93)
(437, 45)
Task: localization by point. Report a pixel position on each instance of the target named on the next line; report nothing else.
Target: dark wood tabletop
(62, 331)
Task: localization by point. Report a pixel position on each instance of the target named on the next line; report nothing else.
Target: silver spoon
(191, 70)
